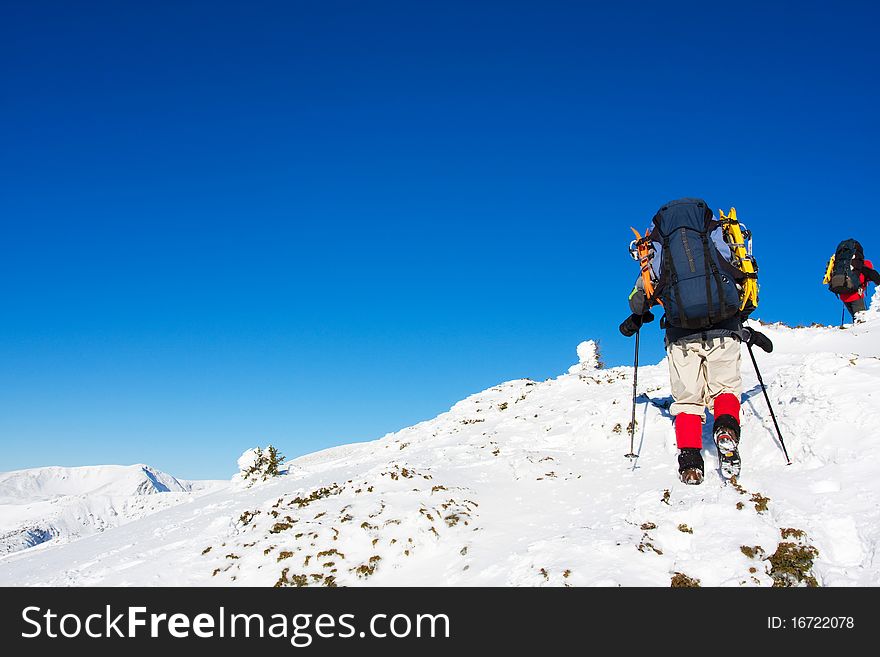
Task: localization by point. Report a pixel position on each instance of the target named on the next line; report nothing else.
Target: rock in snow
(526, 484)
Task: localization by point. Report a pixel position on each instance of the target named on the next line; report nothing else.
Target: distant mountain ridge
(39, 484)
(39, 505)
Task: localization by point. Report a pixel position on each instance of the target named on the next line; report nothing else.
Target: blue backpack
(697, 284)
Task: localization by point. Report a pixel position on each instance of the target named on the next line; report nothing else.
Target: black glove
(634, 322)
(753, 337)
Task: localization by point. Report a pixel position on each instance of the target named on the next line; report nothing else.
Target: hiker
(692, 274)
(848, 274)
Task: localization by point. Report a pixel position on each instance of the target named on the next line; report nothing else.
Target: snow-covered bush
(589, 357)
(257, 464)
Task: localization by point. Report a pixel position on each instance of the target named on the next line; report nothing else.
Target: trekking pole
(842, 315)
(767, 397)
(632, 424)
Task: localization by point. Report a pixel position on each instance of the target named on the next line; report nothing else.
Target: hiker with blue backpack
(697, 268)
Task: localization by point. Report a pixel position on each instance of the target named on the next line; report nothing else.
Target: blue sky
(310, 223)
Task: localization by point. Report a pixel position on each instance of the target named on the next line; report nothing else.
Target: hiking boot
(691, 476)
(690, 466)
(726, 440)
(726, 434)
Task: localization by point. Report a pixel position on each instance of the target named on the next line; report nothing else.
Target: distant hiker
(848, 273)
(691, 272)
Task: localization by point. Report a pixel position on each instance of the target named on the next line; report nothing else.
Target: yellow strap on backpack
(735, 234)
(827, 279)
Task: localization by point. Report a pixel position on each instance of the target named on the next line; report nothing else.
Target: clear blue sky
(311, 223)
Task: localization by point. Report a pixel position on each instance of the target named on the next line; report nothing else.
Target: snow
(248, 459)
(526, 484)
(60, 504)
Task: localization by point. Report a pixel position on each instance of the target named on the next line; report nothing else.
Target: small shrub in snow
(752, 551)
(259, 465)
(791, 532)
(367, 569)
(680, 580)
(792, 563)
(760, 501)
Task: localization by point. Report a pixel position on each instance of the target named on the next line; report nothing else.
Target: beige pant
(699, 372)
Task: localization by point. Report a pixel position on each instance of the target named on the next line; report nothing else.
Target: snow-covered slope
(59, 504)
(526, 484)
